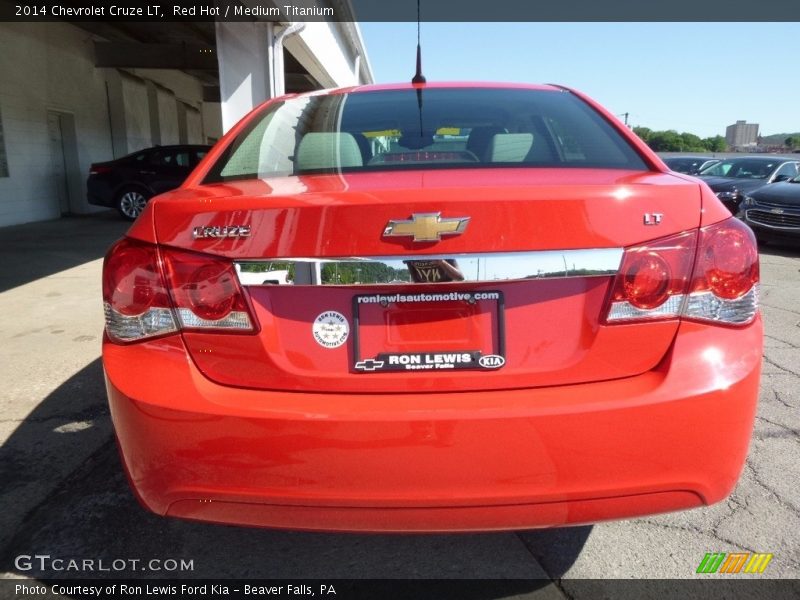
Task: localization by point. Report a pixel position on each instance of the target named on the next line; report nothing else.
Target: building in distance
(742, 135)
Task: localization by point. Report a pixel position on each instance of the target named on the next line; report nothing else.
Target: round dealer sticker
(331, 329)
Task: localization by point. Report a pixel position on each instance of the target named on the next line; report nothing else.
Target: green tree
(642, 132)
(792, 142)
(665, 141)
(691, 143)
(672, 141)
(715, 144)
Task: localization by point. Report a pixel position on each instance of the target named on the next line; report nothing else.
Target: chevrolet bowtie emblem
(426, 227)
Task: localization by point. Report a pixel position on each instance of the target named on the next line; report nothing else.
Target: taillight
(98, 169)
(206, 292)
(135, 299)
(710, 275)
(200, 292)
(653, 279)
(726, 274)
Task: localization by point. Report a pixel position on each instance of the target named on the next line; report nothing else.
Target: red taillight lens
(131, 281)
(727, 263)
(135, 298)
(646, 281)
(206, 292)
(98, 170)
(212, 292)
(652, 279)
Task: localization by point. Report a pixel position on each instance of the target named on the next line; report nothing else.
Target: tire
(131, 202)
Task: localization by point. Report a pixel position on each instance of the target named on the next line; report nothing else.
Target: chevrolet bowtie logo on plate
(426, 227)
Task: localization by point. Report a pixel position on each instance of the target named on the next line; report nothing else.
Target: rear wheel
(131, 202)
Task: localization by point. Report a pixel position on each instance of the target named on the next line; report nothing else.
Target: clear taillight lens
(710, 275)
(192, 291)
(135, 299)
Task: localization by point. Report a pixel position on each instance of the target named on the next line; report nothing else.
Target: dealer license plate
(428, 331)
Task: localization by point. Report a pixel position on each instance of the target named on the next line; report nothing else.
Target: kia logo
(491, 361)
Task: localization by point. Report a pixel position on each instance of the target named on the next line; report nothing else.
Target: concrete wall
(212, 123)
(48, 68)
(194, 126)
(167, 116)
(137, 113)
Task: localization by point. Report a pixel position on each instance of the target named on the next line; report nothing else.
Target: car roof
(689, 158)
(761, 158)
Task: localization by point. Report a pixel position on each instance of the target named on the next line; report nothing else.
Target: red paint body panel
(339, 216)
(671, 438)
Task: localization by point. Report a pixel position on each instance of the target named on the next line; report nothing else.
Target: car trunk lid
(537, 257)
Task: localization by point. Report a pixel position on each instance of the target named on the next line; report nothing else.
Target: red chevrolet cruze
(432, 307)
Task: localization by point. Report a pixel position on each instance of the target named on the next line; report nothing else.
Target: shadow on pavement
(65, 429)
(35, 250)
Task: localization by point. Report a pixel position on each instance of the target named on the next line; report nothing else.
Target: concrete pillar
(116, 113)
(183, 134)
(155, 121)
(244, 53)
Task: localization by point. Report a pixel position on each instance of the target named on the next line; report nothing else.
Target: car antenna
(418, 76)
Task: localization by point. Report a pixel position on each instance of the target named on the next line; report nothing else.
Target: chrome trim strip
(432, 268)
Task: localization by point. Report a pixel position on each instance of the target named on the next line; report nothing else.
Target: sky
(691, 77)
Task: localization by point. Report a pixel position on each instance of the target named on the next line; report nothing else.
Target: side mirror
(781, 178)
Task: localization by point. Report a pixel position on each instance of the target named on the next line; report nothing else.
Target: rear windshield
(427, 129)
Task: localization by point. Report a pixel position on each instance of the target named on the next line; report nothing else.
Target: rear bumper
(672, 438)
(99, 193)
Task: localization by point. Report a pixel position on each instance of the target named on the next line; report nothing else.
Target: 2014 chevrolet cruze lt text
(432, 307)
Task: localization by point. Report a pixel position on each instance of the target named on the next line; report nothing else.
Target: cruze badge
(426, 227)
(228, 231)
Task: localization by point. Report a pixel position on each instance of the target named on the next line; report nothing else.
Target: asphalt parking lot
(64, 493)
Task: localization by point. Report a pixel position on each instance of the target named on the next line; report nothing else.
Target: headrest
(509, 147)
(327, 150)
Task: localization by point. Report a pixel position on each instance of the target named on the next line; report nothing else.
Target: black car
(733, 178)
(690, 165)
(127, 183)
(773, 212)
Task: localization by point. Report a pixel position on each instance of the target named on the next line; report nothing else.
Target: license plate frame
(427, 361)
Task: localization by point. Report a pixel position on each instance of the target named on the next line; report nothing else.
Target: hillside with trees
(790, 140)
(672, 141)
